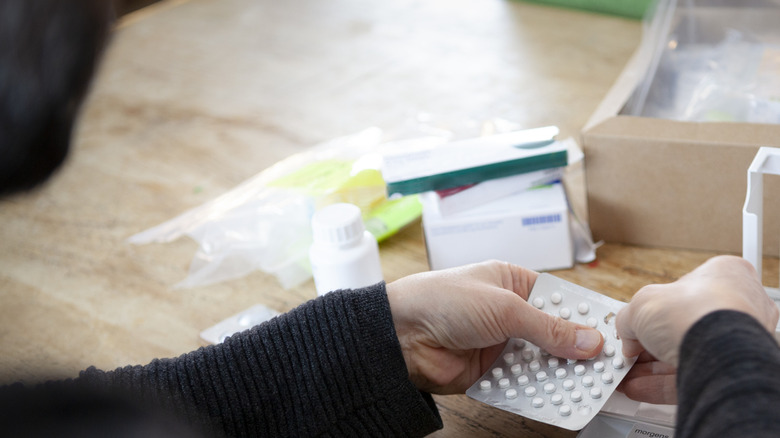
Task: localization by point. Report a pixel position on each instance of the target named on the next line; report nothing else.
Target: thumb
(557, 336)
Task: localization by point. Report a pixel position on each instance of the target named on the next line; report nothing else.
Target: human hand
(453, 324)
(650, 381)
(658, 316)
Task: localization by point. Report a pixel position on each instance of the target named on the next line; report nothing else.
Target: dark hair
(49, 50)
(66, 409)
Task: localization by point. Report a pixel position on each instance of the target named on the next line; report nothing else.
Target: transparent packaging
(711, 61)
(265, 222)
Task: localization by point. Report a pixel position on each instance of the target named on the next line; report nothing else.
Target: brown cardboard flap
(676, 184)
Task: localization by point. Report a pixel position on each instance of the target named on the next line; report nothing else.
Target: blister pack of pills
(528, 381)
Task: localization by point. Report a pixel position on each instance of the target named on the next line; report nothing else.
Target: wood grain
(194, 97)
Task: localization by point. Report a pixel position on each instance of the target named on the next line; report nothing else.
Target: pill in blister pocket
(560, 391)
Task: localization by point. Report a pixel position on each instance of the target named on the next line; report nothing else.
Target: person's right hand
(658, 316)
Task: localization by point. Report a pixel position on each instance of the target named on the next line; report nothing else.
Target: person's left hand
(452, 324)
(651, 381)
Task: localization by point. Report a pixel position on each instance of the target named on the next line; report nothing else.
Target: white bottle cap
(338, 225)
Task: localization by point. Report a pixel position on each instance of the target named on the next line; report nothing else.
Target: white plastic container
(344, 255)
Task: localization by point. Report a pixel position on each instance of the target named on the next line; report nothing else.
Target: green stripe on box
(624, 8)
(473, 175)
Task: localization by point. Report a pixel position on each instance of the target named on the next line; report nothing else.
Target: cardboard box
(666, 183)
(530, 229)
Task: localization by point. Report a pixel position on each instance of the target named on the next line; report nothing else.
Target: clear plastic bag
(712, 61)
(264, 223)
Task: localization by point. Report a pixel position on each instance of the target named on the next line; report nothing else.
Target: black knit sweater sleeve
(331, 367)
(728, 379)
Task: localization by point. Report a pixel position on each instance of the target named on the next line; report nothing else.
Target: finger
(631, 346)
(656, 389)
(488, 355)
(652, 368)
(556, 335)
(523, 280)
(647, 357)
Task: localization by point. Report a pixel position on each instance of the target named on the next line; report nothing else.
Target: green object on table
(624, 8)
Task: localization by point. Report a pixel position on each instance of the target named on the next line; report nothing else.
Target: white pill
(598, 366)
(522, 380)
(541, 376)
(595, 393)
(497, 373)
(607, 377)
(561, 373)
(579, 370)
(556, 399)
(530, 391)
(245, 320)
(528, 354)
(538, 402)
(583, 308)
(584, 410)
(509, 358)
(565, 313)
(553, 362)
(519, 343)
(586, 381)
(564, 411)
(511, 393)
(549, 388)
(538, 302)
(516, 369)
(576, 396)
(503, 383)
(485, 385)
(618, 363)
(556, 298)
(568, 384)
(609, 350)
(592, 322)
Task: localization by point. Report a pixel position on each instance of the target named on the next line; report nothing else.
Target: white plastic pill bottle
(343, 254)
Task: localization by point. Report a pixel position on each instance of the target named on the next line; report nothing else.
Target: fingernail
(587, 340)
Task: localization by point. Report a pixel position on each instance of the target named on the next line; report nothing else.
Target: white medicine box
(530, 229)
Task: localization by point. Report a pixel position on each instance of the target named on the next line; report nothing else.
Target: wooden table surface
(194, 97)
